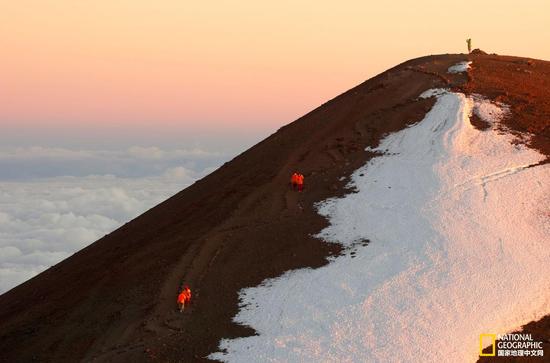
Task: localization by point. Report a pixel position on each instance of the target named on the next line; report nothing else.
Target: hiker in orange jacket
(300, 182)
(294, 180)
(184, 298)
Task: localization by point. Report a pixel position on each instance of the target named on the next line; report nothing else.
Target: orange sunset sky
(228, 64)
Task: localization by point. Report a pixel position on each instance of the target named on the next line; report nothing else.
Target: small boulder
(478, 51)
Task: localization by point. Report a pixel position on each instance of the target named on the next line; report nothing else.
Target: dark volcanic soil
(116, 299)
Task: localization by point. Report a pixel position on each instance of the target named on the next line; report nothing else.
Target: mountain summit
(424, 211)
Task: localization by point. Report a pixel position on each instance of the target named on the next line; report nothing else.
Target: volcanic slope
(457, 228)
(115, 300)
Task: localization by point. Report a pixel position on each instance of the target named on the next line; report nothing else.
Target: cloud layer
(44, 220)
(136, 161)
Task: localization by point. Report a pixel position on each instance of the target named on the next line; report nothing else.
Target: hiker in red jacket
(294, 180)
(300, 182)
(184, 298)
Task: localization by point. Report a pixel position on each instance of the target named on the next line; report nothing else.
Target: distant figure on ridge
(469, 42)
(184, 298)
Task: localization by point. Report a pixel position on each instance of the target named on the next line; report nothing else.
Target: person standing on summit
(469, 42)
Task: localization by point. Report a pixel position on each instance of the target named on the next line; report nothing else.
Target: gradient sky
(115, 66)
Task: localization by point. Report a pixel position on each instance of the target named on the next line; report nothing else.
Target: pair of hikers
(184, 298)
(297, 181)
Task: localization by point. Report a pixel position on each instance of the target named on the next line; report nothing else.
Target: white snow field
(458, 227)
(459, 67)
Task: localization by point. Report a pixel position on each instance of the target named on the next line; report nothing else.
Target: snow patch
(459, 67)
(488, 111)
(458, 247)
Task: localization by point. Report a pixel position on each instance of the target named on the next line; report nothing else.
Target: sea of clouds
(55, 201)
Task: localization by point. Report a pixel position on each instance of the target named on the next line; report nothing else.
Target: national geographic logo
(510, 345)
